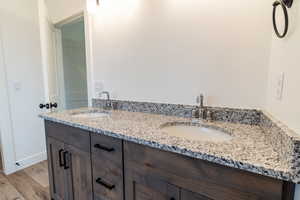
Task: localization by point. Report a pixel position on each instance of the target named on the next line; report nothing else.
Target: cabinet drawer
(106, 147)
(69, 135)
(107, 158)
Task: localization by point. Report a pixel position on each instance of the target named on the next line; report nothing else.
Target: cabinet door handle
(61, 162)
(105, 184)
(66, 165)
(98, 146)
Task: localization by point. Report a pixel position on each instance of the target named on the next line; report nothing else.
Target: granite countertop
(248, 150)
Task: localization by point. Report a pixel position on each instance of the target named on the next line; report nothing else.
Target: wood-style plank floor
(28, 184)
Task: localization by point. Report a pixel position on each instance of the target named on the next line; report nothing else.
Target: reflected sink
(196, 132)
(90, 115)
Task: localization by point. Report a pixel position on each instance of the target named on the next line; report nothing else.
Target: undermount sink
(90, 115)
(196, 132)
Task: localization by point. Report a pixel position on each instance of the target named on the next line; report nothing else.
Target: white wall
(60, 10)
(171, 50)
(24, 80)
(285, 58)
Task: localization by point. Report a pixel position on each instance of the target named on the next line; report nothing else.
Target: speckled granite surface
(249, 150)
(284, 141)
(242, 116)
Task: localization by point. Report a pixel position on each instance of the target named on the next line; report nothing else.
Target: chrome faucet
(108, 103)
(201, 111)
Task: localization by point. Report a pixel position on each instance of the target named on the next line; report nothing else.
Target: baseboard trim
(31, 160)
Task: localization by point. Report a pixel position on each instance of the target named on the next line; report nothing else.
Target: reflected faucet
(108, 103)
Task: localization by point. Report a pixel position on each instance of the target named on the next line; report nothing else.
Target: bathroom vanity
(107, 159)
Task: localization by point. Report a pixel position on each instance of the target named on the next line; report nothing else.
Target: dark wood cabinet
(79, 174)
(70, 170)
(89, 166)
(196, 179)
(107, 162)
(147, 187)
(188, 195)
(57, 173)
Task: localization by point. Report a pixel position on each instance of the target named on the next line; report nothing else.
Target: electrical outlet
(279, 86)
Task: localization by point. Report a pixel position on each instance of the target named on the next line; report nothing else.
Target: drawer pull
(66, 165)
(105, 184)
(98, 146)
(61, 163)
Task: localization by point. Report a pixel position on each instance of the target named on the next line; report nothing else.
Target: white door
(22, 63)
(48, 48)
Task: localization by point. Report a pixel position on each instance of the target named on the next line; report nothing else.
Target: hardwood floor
(28, 184)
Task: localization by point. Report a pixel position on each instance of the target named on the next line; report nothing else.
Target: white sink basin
(91, 115)
(195, 132)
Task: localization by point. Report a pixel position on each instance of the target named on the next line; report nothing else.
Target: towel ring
(286, 19)
(288, 3)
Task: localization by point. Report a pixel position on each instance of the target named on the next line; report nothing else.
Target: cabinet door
(57, 175)
(79, 174)
(143, 187)
(188, 195)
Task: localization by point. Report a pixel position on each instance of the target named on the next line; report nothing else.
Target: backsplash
(243, 116)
